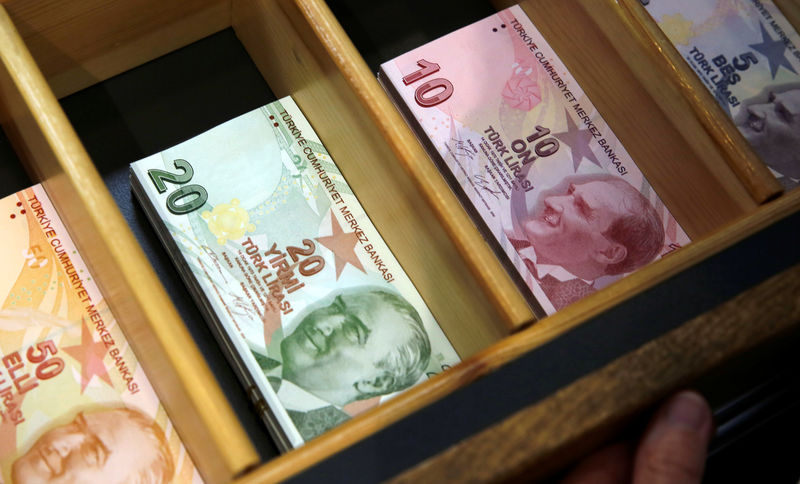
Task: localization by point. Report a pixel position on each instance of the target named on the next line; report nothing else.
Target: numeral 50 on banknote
(38, 355)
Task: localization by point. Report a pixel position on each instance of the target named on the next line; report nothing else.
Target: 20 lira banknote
(748, 55)
(556, 193)
(75, 404)
(311, 306)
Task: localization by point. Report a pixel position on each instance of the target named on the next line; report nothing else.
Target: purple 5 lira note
(553, 189)
(747, 54)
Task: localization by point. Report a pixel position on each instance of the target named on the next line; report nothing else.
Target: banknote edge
(254, 391)
(458, 191)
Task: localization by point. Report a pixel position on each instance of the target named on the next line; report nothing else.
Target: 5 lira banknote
(75, 403)
(748, 55)
(314, 311)
(554, 190)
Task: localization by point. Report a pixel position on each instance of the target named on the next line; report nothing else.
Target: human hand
(672, 449)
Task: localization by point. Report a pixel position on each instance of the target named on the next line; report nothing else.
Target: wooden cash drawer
(301, 50)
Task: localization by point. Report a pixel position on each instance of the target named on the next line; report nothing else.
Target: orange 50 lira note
(75, 405)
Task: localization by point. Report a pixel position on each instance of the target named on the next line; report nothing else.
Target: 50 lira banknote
(533, 161)
(748, 55)
(76, 406)
(309, 303)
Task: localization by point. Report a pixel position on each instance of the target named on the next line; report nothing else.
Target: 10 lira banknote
(76, 406)
(556, 193)
(748, 55)
(309, 303)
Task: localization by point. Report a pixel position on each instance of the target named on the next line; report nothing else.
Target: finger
(609, 465)
(673, 449)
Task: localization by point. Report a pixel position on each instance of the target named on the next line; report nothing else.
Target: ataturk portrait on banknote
(585, 228)
(770, 122)
(356, 344)
(98, 446)
(88, 444)
(348, 350)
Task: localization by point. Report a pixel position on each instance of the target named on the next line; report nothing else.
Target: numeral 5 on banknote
(747, 55)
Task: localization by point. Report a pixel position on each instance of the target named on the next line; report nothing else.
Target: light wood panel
(286, 56)
(791, 9)
(79, 43)
(49, 148)
(546, 436)
(336, 46)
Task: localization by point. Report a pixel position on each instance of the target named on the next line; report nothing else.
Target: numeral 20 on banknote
(160, 178)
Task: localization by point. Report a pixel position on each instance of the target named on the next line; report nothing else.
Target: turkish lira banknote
(311, 306)
(748, 55)
(76, 406)
(556, 193)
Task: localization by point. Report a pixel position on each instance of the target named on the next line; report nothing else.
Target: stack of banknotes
(553, 189)
(75, 404)
(313, 310)
(748, 55)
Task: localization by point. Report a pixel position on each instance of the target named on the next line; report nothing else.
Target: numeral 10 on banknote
(160, 179)
(428, 68)
(543, 148)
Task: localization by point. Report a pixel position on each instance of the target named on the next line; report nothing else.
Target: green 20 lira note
(312, 308)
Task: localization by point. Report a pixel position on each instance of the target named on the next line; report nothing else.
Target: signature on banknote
(462, 148)
(483, 183)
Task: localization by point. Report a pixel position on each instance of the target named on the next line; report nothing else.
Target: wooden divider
(293, 62)
(80, 43)
(50, 149)
(752, 172)
(791, 9)
(407, 151)
(544, 437)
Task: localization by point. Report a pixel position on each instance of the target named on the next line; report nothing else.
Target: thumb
(673, 449)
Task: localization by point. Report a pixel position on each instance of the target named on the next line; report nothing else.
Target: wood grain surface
(409, 153)
(293, 62)
(79, 43)
(499, 354)
(51, 151)
(542, 438)
(791, 9)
